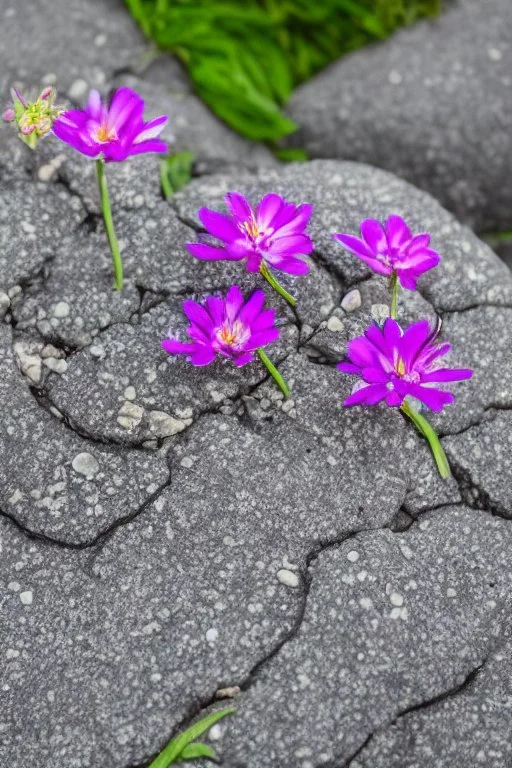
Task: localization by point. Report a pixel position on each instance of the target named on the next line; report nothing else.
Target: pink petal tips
(114, 132)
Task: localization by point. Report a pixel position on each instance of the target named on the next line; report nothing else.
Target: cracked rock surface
(433, 104)
(108, 51)
(168, 532)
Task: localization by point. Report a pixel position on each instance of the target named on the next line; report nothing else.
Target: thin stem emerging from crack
(267, 274)
(271, 368)
(431, 437)
(109, 225)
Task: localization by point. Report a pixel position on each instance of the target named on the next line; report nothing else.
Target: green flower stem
(109, 225)
(267, 274)
(430, 435)
(269, 365)
(394, 296)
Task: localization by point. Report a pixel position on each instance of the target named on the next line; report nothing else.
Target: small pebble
(61, 309)
(85, 464)
(334, 324)
(351, 301)
(26, 597)
(288, 578)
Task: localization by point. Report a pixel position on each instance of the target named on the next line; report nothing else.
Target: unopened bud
(9, 115)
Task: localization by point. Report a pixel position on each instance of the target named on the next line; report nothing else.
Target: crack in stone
(444, 696)
(473, 495)
(98, 541)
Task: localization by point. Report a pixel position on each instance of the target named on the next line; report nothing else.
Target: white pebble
(353, 556)
(396, 599)
(212, 635)
(61, 309)
(129, 393)
(26, 597)
(288, 578)
(334, 324)
(85, 464)
(351, 301)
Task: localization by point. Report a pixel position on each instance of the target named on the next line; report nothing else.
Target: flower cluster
(395, 365)
(34, 119)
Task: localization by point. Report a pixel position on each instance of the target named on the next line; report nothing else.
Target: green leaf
(193, 751)
(244, 58)
(175, 747)
(175, 172)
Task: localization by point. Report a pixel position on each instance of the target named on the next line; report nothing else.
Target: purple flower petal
(267, 209)
(435, 399)
(374, 236)
(447, 374)
(151, 129)
(262, 338)
(233, 303)
(370, 395)
(291, 266)
(243, 359)
(397, 231)
(252, 308)
(239, 206)
(94, 107)
(218, 225)
(175, 347)
(198, 315)
(202, 355)
(207, 252)
(291, 245)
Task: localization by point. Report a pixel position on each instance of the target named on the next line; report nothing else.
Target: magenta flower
(392, 249)
(228, 327)
(274, 234)
(113, 133)
(394, 364)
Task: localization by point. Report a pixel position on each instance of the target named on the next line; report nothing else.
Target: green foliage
(181, 747)
(246, 56)
(175, 172)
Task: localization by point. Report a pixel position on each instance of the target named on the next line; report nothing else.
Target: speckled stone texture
(81, 44)
(432, 104)
(167, 533)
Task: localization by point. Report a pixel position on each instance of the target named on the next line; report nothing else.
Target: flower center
(234, 335)
(104, 134)
(400, 367)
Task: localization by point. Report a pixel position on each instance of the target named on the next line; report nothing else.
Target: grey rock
(68, 41)
(77, 299)
(482, 459)
(142, 609)
(409, 631)
(254, 543)
(469, 728)
(33, 219)
(40, 487)
(167, 392)
(491, 385)
(433, 104)
(346, 193)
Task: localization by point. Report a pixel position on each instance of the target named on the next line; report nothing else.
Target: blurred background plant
(245, 57)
